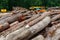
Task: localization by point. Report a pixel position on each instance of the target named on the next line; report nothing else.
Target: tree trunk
(5, 16)
(18, 25)
(10, 20)
(4, 26)
(26, 34)
(56, 17)
(51, 31)
(39, 37)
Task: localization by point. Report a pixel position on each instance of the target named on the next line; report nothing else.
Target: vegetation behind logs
(8, 4)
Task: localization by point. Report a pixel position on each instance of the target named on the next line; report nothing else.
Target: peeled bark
(33, 30)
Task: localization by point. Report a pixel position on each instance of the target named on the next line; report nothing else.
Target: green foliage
(8, 4)
(4, 4)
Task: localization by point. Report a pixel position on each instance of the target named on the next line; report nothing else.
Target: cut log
(19, 8)
(55, 22)
(51, 31)
(12, 26)
(11, 19)
(39, 37)
(14, 23)
(18, 25)
(56, 17)
(18, 11)
(5, 16)
(4, 26)
(22, 18)
(33, 30)
(56, 35)
(39, 18)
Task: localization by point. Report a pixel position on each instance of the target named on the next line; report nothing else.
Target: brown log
(23, 23)
(55, 22)
(39, 37)
(53, 13)
(18, 11)
(57, 12)
(29, 32)
(1, 14)
(55, 17)
(38, 19)
(51, 31)
(39, 26)
(14, 23)
(4, 26)
(19, 8)
(22, 18)
(11, 19)
(8, 20)
(18, 25)
(5, 16)
(9, 30)
(56, 35)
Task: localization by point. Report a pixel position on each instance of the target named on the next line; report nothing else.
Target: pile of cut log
(24, 24)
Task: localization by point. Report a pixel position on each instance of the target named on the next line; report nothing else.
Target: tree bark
(51, 31)
(31, 31)
(5, 16)
(39, 37)
(10, 20)
(18, 25)
(14, 23)
(56, 17)
(56, 35)
(9, 30)
(39, 18)
(4, 26)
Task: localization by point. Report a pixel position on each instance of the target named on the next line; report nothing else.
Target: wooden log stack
(24, 24)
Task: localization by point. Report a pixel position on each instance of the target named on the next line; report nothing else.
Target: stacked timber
(24, 24)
